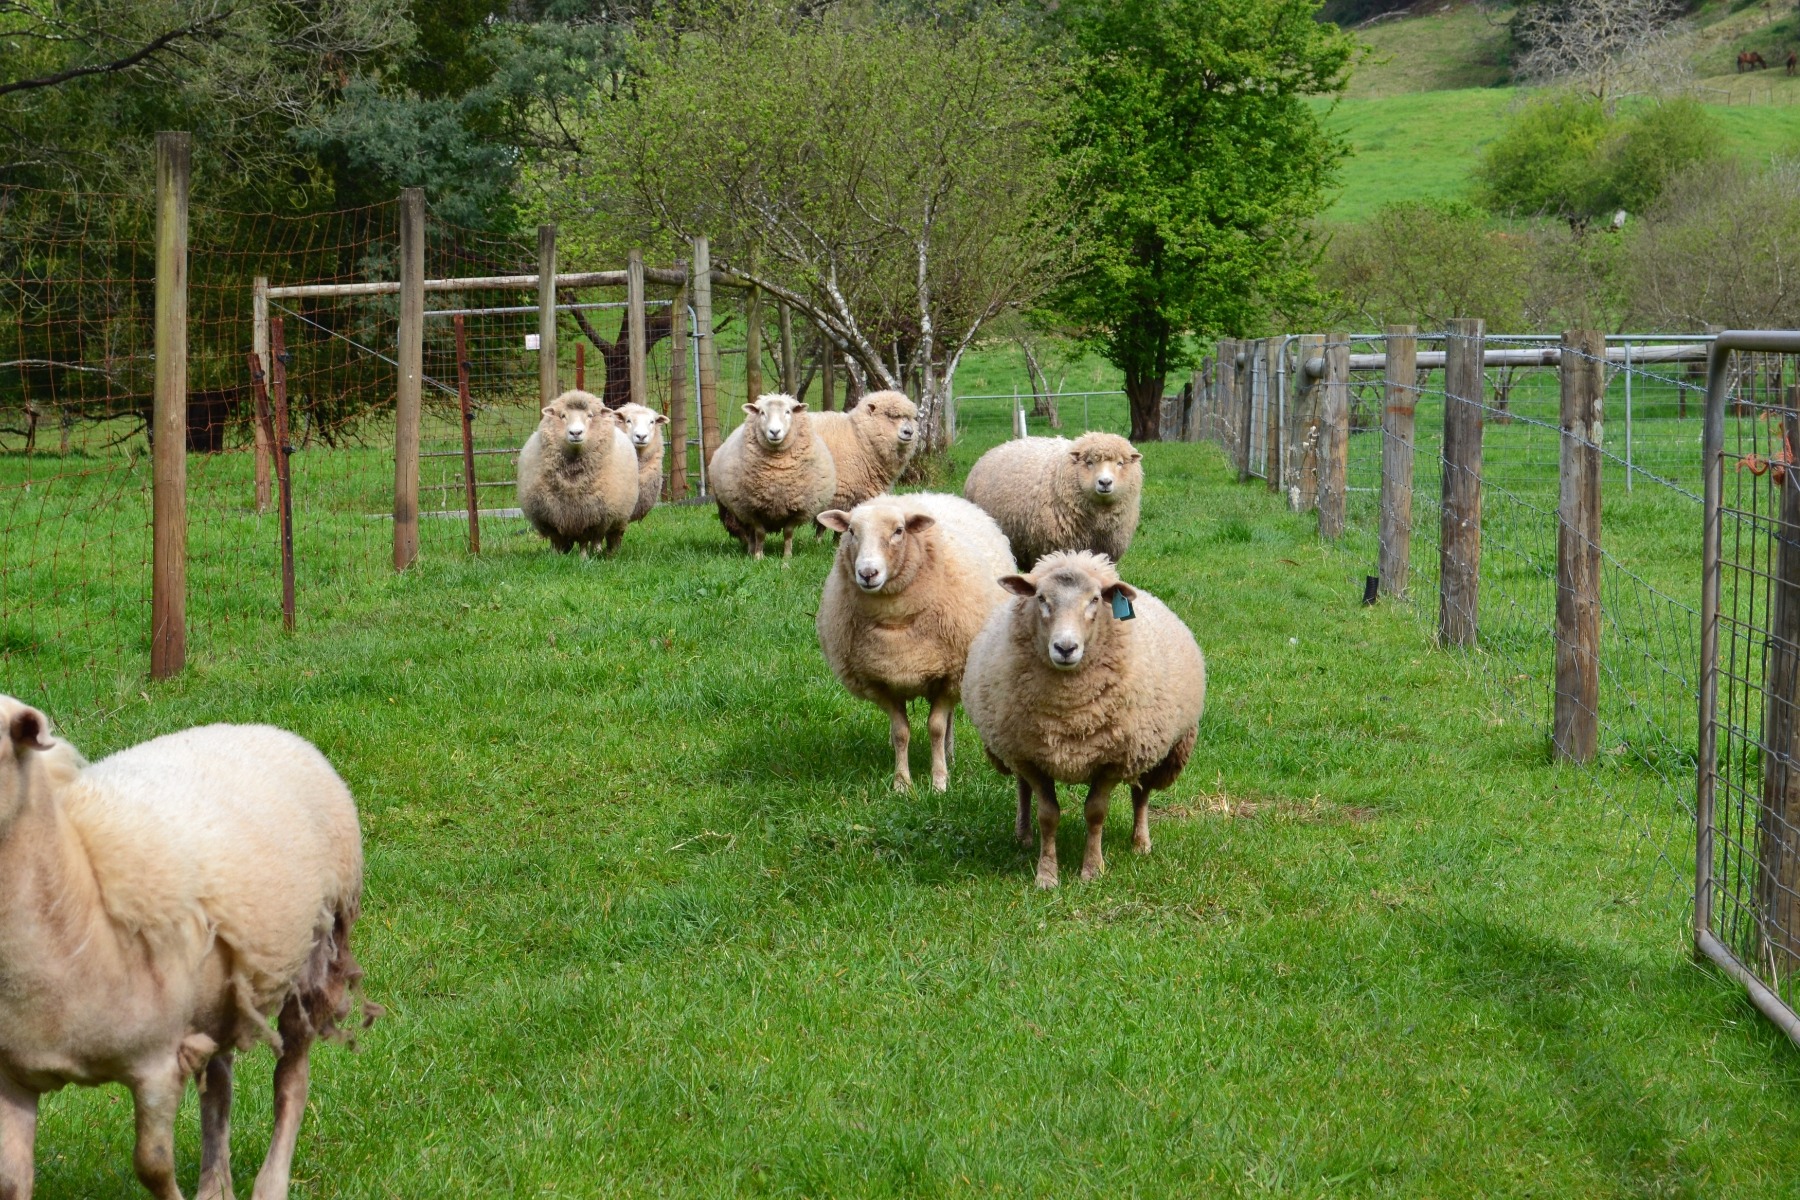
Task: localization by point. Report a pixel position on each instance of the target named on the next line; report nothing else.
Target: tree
(1601, 47)
(886, 180)
(1194, 162)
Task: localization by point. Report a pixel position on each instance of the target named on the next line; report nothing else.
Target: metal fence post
(549, 381)
(1778, 815)
(1334, 427)
(678, 387)
(284, 468)
(1575, 724)
(471, 495)
(1400, 399)
(1269, 372)
(168, 562)
(1244, 405)
(410, 359)
(1628, 471)
(259, 345)
(1459, 542)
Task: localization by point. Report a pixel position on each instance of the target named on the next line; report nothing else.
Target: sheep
(914, 580)
(1053, 494)
(157, 909)
(578, 475)
(643, 429)
(869, 445)
(771, 474)
(1083, 678)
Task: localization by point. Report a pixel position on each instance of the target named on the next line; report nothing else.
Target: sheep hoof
(1023, 835)
(1046, 875)
(940, 783)
(902, 783)
(1142, 847)
(1092, 871)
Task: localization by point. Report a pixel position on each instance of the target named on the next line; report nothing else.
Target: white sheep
(1053, 494)
(870, 445)
(578, 475)
(157, 909)
(1083, 678)
(643, 429)
(771, 474)
(915, 579)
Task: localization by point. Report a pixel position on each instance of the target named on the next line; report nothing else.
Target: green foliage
(1194, 161)
(1567, 156)
(1424, 262)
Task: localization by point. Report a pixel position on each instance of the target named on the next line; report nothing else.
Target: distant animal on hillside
(1750, 60)
(1793, 62)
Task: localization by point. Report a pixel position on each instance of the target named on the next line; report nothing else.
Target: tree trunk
(1144, 393)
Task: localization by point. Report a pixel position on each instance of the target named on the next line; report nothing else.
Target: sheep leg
(1098, 799)
(18, 1139)
(215, 1130)
(943, 714)
(291, 1073)
(900, 735)
(1048, 817)
(1022, 830)
(787, 542)
(1140, 819)
(613, 538)
(156, 1097)
(755, 544)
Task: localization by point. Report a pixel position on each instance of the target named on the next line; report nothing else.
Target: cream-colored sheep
(157, 909)
(771, 474)
(1083, 678)
(578, 475)
(915, 579)
(870, 445)
(1053, 494)
(643, 429)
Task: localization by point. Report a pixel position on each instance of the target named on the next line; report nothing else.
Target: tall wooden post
(168, 569)
(1244, 365)
(708, 383)
(471, 496)
(1459, 541)
(580, 365)
(678, 389)
(1399, 403)
(753, 384)
(790, 366)
(1334, 428)
(827, 373)
(1305, 429)
(259, 345)
(549, 383)
(1225, 397)
(1778, 814)
(410, 355)
(284, 469)
(637, 351)
(1575, 727)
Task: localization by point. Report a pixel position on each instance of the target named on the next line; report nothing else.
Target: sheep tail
(327, 991)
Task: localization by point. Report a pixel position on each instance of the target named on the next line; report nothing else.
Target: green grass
(649, 920)
(1439, 51)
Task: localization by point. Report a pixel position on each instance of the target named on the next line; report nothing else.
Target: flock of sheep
(194, 896)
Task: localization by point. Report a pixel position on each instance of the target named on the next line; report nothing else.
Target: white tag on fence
(531, 341)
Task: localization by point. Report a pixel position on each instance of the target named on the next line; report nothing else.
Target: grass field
(649, 920)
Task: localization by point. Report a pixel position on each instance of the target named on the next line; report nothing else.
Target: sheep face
(896, 414)
(23, 729)
(774, 418)
(640, 423)
(881, 544)
(1104, 464)
(1068, 607)
(573, 420)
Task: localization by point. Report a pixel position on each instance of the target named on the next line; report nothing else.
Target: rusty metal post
(470, 491)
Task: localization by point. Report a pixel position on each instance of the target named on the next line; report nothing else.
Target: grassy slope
(650, 921)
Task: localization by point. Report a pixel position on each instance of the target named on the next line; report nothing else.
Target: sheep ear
(919, 523)
(1074, 456)
(29, 730)
(1019, 585)
(752, 410)
(799, 408)
(836, 520)
(549, 410)
(1134, 456)
(661, 419)
(1120, 588)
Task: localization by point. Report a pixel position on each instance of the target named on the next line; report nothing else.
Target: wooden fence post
(1269, 351)
(1224, 391)
(753, 384)
(1241, 365)
(1305, 428)
(259, 344)
(827, 373)
(1575, 727)
(790, 367)
(580, 365)
(549, 381)
(637, 352)
(1778, 813)
(1334, 432)
(708, 383)
(471, 494)
(410, 357)
(1399, 404)
(678, 388)
(168, 562)
(1459, 541)
(284, 469)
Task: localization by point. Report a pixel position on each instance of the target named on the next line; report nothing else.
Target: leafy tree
(1194, 162)
(1566, 156)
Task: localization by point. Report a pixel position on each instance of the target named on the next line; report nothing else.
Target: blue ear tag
(1122, 606)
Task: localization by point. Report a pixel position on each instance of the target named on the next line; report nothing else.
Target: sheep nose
(1065, 650)
(868, 574)
(1103, 484)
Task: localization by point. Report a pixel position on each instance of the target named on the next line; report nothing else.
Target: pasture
(648, 918)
